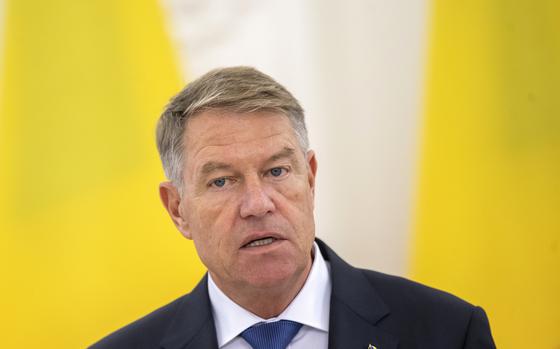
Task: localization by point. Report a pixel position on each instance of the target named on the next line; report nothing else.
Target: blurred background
(436, 124)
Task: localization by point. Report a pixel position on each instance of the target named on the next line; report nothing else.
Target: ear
(312, 169)
(171, 200)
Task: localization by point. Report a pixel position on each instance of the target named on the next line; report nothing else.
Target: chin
(273, 276)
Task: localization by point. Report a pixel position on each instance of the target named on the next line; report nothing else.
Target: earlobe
(171, 200)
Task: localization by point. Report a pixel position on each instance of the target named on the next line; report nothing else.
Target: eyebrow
(282, 154)
(212, 166)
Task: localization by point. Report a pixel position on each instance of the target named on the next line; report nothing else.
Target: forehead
(221, 132)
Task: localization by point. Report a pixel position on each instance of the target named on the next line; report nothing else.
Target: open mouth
(261, 242)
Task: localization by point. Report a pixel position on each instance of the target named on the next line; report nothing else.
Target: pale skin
(246, 179)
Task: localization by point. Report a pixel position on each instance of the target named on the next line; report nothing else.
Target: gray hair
(236, 89)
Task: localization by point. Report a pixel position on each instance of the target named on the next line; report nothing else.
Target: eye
(220, 182)
(277, 171)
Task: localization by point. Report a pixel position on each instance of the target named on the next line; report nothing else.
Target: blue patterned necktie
(271, 335)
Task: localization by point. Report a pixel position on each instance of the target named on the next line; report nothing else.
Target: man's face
(247, 200)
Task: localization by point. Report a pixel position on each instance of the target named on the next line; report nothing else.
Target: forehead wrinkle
(236, 139)
(233, 142)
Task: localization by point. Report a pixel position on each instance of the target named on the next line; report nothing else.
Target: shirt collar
(310, 307)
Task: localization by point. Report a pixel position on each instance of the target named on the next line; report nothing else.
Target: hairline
(238, 89)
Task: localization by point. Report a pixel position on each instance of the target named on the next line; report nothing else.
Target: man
(241, 185)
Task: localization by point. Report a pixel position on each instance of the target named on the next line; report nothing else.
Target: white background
(357, 68)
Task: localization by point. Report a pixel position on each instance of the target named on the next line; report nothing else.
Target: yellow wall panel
(85, 245)
(488, 222)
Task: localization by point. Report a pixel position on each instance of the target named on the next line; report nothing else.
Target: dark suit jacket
(367, 307)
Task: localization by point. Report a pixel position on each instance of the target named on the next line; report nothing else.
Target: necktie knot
(271, 335)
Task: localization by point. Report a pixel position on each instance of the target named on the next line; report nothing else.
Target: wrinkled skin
(246, 178)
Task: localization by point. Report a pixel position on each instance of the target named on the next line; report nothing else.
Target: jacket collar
(193, 325)
(356, 308)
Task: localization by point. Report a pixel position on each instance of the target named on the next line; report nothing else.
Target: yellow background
(488, 217)
(86, 246)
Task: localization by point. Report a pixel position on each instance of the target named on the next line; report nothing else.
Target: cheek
(298, 195)
(213, 220)
(295, 202)
(204, 210)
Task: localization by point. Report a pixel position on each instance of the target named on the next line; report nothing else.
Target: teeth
(261, 242)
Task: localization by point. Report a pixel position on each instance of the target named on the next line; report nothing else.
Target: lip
(260, 235)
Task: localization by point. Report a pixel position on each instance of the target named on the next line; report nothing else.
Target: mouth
(260, 242)
(262, 239)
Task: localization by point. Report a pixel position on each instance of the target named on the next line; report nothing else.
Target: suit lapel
(356, 309)
(193, 325)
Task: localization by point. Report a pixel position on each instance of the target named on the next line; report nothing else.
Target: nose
(256, 201)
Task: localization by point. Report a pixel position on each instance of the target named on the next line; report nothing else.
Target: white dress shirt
(310, 308)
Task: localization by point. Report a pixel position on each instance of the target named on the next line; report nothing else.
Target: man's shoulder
(398, 293)
(422, 313)
(145, 332)
(404, 294)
